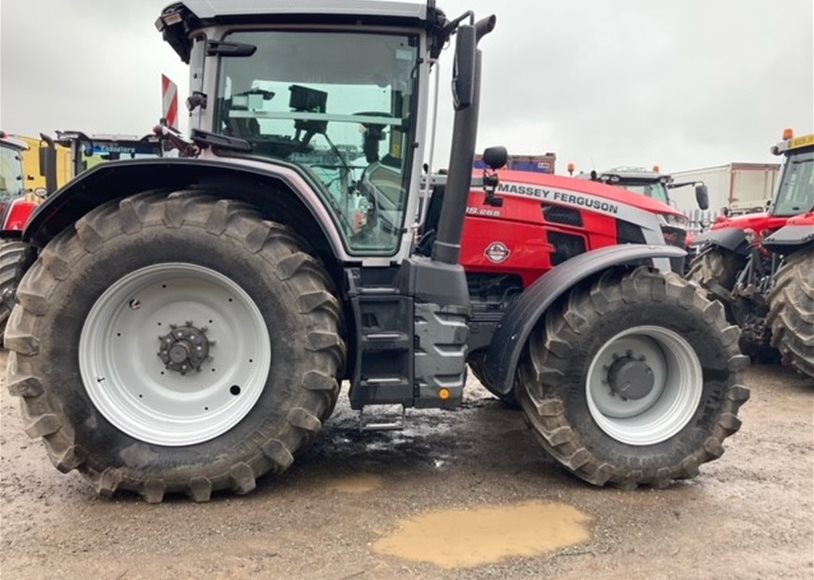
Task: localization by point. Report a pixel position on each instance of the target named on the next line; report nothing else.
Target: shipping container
(531, 163)
(740, 186)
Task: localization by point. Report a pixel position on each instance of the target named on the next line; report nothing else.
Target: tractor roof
(7, 140)
(65, 137)
(178, 20)
(213, 9)
(639, 173)
(794, 145)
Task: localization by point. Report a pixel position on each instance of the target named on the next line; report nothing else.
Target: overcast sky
(684, 84)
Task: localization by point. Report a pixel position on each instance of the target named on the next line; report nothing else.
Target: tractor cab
(17, 202)
(343, 107)
(652, 184)
(12, 176)
(795, 194)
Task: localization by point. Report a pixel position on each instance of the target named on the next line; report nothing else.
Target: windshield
(796, 192)
(340, 106)
(11, 173)
(655, 190)
(92, 154)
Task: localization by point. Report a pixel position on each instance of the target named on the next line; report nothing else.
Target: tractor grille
(566, 247)
(628, 233)
(562, 215)
(675, 237)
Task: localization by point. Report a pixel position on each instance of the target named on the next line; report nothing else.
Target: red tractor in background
(16, 207)
(530, 223)
(761, 265)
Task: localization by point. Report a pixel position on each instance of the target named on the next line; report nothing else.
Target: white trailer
(734, 185)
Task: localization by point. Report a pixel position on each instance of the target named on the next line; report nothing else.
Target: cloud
(634, 82)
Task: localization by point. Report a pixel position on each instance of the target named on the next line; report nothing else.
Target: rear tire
(692, 412)
(508, 399)
(15, 257)
(267, 266)
(791, 312)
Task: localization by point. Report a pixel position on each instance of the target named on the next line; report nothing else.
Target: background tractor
(761, 262)
(17, 204)
(187, 322)
(530, 223)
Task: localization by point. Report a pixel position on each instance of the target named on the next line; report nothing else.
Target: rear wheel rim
(134, 388)
(671, 402)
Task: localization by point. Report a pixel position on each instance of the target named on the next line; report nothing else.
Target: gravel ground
(456, 495)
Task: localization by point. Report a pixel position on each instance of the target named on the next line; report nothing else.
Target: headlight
(670, 219)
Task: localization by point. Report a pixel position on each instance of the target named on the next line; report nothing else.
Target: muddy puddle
(467, 538)
(356, 483)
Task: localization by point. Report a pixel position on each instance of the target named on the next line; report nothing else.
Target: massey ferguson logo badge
(497, 252)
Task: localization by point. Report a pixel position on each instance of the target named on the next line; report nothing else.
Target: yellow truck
(31, 164)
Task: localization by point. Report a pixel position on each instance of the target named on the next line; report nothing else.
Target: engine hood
(753, 221)
(806, 219)
(608, 192)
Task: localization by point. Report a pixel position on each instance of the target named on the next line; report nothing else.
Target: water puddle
(356, 483)
(467, 538)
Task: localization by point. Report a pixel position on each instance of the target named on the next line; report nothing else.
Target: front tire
(716, 269)
(679, 357)
(791, 312)
(106, 396)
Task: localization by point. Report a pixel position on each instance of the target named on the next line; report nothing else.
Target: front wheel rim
(670, 403)
(146, 395)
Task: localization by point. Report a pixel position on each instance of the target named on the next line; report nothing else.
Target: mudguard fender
(262, 181)
(731, 239)
(510, 337)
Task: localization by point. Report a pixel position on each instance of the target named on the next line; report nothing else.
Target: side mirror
(463, 75)
(702, 196)
(496, 157)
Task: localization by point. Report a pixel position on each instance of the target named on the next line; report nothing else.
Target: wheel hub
(631, 378)
(184, 348)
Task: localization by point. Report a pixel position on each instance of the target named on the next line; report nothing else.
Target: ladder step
(373, 425)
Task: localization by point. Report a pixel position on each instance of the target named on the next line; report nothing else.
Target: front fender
(792, 237)
(732, 239)
(269, 185)
(509, 339)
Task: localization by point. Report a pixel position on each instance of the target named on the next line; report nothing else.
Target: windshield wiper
(217, 141)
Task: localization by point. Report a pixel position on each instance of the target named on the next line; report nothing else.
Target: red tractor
(16, 207)
(760, 264)
(188, 321)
